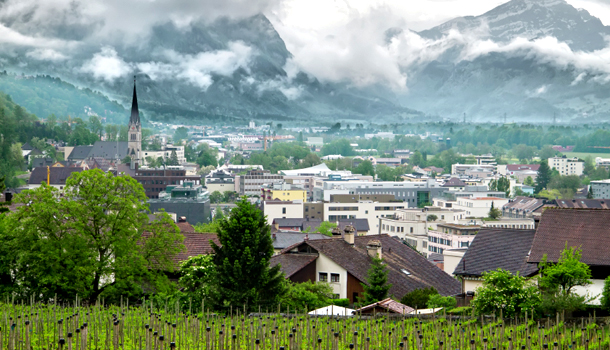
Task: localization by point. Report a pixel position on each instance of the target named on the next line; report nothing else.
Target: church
(134, 132)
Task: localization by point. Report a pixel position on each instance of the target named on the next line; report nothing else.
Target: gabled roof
(27, 147)
(524, 203)
(492, 249)
(583, 228)
(454, 182)
(522, 167)
(58, 175)
(583, 203)
(359, 224)
(80, 152)
(197, 244)
(282, 240)
(390, 305)
(108, 149)
(407, 269)
(292, 263)
(289, 222)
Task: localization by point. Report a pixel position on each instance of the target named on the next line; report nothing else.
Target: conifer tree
(377, 286)
(544, 176)
(243, 275)
(173, 159)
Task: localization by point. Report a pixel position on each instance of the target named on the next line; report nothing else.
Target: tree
(419, 297)
(438, 300)
(340, 146)
(590, 192)
(557, 281)
(501, 290)
(431, 217)
(242, 260)
(310, 160)
(173, 159)
(181, 133)
(417, 159)
(196, 277)
(89, 241)
(543, 177)
(529, 181)
(501, 185)
(308, 295)
(207, 156)
(605, 299)
(376, 287)
(494, 213)
(365, 168)
(216, 197)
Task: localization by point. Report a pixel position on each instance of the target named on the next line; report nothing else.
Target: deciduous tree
(501, 290)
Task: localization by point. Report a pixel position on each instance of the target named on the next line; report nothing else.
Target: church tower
(134, 138)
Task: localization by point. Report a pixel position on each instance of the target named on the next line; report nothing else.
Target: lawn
(583, 155)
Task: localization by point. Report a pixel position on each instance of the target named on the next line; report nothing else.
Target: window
(334, 277)
(283, 210)
(322, 277)
(411, 229)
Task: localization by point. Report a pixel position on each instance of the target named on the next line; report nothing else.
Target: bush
(341, 302)
(438, 300)
(418, 298)
(605, 300)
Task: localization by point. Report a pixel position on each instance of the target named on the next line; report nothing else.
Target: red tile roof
(583, 228)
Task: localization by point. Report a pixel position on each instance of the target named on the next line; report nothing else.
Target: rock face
(534, 71)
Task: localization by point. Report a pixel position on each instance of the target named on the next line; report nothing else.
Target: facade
(134, 137)
(166, 153)
(188, 200)
(472, 169)
(601, 189)
(283, 192)
(451, 236)
(251, 183)
(220, 181)
(479, 207)
(567, 166)
(282, 209)
(156, 181)
(361, 209)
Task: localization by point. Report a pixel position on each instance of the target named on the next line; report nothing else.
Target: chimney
(182, 219)
(349, 234)
(274, 236)
(336, 231)
(373, 248)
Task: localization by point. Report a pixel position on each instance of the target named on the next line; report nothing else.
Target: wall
(289, 195)
(276, 211)
(452, 259)
(220, 187)
(324, 264)
(363, 210)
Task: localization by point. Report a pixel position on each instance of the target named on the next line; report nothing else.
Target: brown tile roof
(185, 227)
(407, 269)
(197, 244)
(583, 203)
(524, 203)
(390, 305)
(584, 228)
(491, 249)
(292, 263)
(454, 182)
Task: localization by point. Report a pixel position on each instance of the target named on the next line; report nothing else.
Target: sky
(333, 40)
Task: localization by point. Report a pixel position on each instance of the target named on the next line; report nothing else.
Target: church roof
(135, 113)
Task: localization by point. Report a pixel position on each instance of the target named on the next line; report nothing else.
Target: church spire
(135, 113)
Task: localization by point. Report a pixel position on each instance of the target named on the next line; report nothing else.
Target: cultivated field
(42, 326)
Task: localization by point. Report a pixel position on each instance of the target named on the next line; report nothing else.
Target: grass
(583, 155)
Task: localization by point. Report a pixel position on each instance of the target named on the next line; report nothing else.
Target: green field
(582, 155)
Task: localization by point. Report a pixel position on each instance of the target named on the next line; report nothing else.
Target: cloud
(106, 65)
(46, 55)
(198, 69)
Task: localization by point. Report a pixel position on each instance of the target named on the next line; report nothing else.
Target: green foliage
(523, 152)
(543, 177)
(340, 146)
(365, 168)
(417, 160)
(418, 298)
(504, 291)
(557, 281)
(529, 181)
(173, 159)
(197, 277)
(242, 261)
(206, 156)
(376, 287)
(307, 296)
(501, 185)
(180, 134)
(326, 228)
(566, 185)
(605, 298)
(431, 217)
(550, 194)
(341, 302)
(494, 213)
(88, 242)
(216, 197)
(438, 300)
(386, 173)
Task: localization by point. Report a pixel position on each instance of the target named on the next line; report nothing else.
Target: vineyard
(42, 326)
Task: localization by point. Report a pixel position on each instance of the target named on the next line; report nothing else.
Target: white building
(567, 166)
(282, 210)
(601, 189)
(166, 153)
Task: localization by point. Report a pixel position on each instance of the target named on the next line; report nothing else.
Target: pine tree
(243, 275)
(173, 159)
(494, 212)
(544, 176)
(377, 286)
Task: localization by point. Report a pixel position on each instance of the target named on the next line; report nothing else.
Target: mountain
(526, 74)
(216, 71)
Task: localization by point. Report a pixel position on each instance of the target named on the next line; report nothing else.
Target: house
(586, 229)
(57, 176)
(273, 210)
(567, 166)
(344, 262)
(220, 181)
(521, 207)
(283, 239)
(386, 306)
(79, 153)
(493, 249)
(454, 184)
(312, 225)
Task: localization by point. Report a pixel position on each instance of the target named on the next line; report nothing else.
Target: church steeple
(135, 112)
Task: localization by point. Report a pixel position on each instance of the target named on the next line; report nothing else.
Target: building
(567, 166)
(344, 264)
(402, 153)
(454, 184)
(391, 162)
(316, 142)
(134, 140)
(165, 153)
(451, 236)
(601, 189)
(494, 249)
(312, 225)
(486, 159)
(53, 176)
(513, 169)
(273, 209)
(251, 183)
(348, 207)
(283, 191)
(479, 207)
(480, 170)
(188, 200)
(604, 162)
(156, 181)
(79, 153)
(220, 181)
(282, 240)
(521, 207)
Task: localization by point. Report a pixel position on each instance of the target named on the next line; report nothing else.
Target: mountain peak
(532, 19)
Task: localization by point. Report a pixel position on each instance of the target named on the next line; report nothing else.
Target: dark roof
(58, 175)
(454, 182)
(27, 147)
(283, 240)
(42, 162)
(586, 229)
(492, 249)
(524, 203)
(522, 167)
(80, 152)
(359, 224)
(108, 149)
(289, 222)
(135, 113)
(311, 224)
(292, 263)
(583, 203)
(99, 163)
(397, 257)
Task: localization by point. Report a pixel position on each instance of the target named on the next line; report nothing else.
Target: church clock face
(133, 128)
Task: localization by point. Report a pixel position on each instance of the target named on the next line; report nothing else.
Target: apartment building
(473, 207)
(251, 183)
(274, 209)
(220, 181)
(601, 189)
(156, 181)
(283, 191)
(188, 200)
(567, 166)
(451, 236)
(166, 153)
